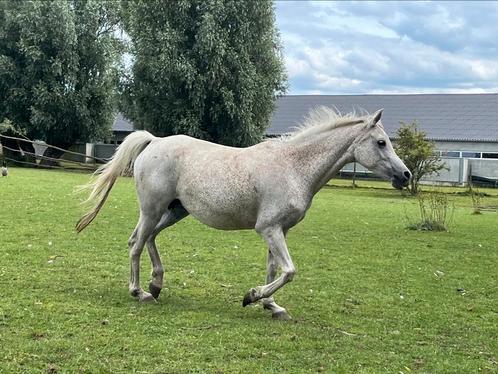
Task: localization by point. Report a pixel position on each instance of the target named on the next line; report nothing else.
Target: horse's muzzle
(401, 181)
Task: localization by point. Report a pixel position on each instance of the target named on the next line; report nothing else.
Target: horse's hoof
(146, 297)
(154, 290)
(247, 299)
(281, 316)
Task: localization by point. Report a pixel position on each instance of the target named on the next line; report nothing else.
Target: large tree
(57, 68)
(207, 68)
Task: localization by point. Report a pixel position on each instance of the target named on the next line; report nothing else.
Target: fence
(23, 151)
(458, 173)
(97, 151)
(84, 155)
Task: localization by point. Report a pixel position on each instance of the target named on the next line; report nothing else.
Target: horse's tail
(121, 163)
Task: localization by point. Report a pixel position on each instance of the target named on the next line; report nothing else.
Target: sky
(389, 47)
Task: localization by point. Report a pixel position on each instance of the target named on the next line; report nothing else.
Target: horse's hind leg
(142, 232)
(175, 213)
(268, 303)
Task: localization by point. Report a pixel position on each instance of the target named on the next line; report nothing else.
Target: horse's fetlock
(157, 273)
(289, 275)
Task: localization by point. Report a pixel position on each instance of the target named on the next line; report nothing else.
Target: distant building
(104, 149)
(121, 127)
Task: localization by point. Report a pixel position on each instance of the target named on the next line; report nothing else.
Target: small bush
(435, 212)
(476, 198)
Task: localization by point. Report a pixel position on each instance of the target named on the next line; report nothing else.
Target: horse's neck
(318, 159)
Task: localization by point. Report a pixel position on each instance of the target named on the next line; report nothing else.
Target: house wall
(467, 146)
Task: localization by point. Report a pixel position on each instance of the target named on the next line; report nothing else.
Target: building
(103, 150)
(463, 126)
(121, 127)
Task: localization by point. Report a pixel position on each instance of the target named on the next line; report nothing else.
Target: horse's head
(374, 150)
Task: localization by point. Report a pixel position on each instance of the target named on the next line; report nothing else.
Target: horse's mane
(322, 119)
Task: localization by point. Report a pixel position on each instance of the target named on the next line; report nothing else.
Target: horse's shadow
(170, 302)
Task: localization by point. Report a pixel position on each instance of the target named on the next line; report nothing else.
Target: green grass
(369, 296)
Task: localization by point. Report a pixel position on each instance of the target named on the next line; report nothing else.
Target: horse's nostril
(407, 174)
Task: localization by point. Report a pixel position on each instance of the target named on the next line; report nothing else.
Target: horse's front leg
(278, 255)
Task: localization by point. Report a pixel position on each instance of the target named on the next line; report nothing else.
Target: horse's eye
(381, 143)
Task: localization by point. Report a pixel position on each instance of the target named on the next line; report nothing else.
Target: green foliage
(368, 297)
(8, 128)
(57, 68)
(417, 153)
(210, 69)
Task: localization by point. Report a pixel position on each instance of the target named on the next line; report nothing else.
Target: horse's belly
(219, 189)
(221, 210)
(222, 220)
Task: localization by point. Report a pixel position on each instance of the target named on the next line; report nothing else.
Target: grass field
(369, 296)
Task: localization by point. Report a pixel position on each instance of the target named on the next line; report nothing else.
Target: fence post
(89, 150)
(461, 171)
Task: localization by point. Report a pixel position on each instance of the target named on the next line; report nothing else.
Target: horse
(267, 187)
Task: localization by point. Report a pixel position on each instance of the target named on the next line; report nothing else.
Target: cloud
(389, 47)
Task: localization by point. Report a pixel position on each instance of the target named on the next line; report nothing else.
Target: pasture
(369, 295)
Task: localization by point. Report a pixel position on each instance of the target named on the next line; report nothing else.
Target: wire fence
(34, 159)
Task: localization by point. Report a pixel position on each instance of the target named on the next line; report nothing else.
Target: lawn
(369, 296)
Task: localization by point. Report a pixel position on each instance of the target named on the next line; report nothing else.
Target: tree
(207, 68)
(57, 68)
(417, 153)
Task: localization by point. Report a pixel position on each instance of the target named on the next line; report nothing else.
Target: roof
(444, 117)
(122, 124)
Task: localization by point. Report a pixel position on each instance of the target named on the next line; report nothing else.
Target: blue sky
(389, 47)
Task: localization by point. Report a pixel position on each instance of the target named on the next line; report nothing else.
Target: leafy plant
(7, 127)
(476, 198)
(417, 153)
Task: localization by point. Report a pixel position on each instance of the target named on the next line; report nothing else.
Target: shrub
(476, 198)
(435, 212)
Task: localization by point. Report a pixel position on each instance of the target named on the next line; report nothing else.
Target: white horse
(267, 187)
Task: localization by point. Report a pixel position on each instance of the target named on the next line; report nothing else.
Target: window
(450, 154)
(471, 154)
(490, 155)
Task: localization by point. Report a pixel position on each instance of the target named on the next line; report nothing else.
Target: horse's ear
(376, 117)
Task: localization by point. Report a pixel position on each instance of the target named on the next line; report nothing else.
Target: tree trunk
(413, 186)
